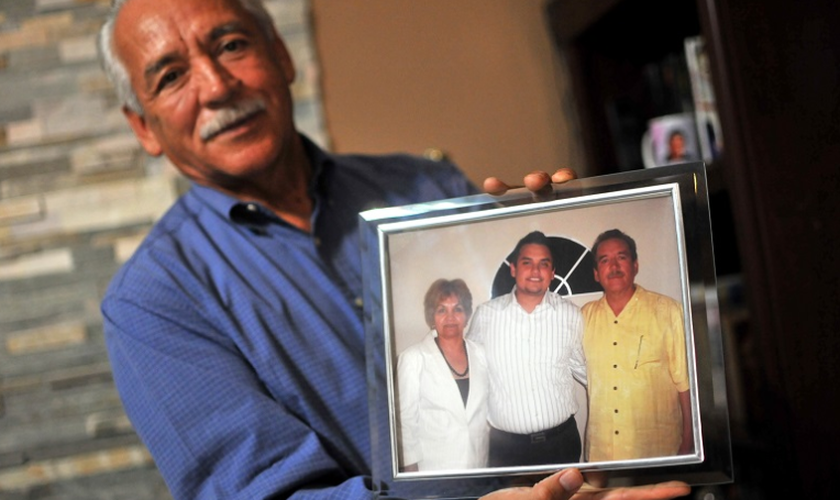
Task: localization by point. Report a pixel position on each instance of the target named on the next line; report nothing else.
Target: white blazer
(436, 430)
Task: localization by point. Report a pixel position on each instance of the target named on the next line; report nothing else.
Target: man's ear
(144, 134)
(595, 273)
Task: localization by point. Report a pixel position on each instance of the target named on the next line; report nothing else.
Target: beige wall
(479, 79)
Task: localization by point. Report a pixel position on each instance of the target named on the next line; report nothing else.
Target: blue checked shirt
(237, 342)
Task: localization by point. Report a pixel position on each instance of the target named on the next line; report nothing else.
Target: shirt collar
(513, 302)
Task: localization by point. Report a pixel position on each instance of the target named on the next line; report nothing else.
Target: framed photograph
(468, 396)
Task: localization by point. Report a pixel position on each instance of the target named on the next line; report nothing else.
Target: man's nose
(216, 83)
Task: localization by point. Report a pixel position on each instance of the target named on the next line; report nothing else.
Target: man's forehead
(153, 15)
(121, 5)
(624, 247)
(151, 28)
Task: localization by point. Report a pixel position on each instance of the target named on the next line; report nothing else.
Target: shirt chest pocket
(646, 352)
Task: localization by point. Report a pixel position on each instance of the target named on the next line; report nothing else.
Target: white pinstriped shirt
(532, 360)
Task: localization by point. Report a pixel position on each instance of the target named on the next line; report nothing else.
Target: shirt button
(359, 302)
(616, 410)
(251, 207)
(616, 433)
(615, 343)
(317, 241)
(615, 366)
(615, 388)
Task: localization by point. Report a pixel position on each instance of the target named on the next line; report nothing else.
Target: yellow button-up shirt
(637, 364)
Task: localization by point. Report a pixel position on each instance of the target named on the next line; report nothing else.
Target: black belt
(538, 437)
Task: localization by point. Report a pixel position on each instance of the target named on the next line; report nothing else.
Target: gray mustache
(228, 116)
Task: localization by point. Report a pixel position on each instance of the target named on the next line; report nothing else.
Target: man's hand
(568, 484)
(538, 182)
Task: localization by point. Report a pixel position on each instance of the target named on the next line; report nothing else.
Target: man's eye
(167, 79)
(233, 45)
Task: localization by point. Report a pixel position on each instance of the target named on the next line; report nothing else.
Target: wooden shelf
(610, 46)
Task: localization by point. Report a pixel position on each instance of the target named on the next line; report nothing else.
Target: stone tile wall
(77, 194)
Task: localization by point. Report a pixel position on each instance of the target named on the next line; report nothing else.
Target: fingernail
(570, 480)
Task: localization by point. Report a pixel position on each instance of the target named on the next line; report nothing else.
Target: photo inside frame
(405, 249)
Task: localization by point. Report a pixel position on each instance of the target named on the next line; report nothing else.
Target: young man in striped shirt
(533, 340)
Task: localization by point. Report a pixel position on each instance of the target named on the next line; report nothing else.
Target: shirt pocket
(647, 353)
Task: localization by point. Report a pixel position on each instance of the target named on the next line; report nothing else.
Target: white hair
(115, 69)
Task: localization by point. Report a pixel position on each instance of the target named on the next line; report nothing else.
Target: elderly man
(533, 341)
(635, 346)
(235, 331)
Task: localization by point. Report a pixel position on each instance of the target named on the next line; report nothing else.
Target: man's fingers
(563, 175)
(538, 181)
(571, 480)
(660, 491)
(559, 486)
(494, 186)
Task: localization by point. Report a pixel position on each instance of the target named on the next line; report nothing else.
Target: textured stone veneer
(77, 195)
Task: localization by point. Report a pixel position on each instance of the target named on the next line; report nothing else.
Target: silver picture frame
(665, 209)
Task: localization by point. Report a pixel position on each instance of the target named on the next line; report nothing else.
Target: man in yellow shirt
(634, 341)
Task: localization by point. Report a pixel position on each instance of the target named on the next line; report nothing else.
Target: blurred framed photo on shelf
(706, 118)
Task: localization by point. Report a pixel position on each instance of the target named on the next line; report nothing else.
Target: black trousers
(558, 445)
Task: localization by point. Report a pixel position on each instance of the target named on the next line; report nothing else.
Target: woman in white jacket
(443, 388)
